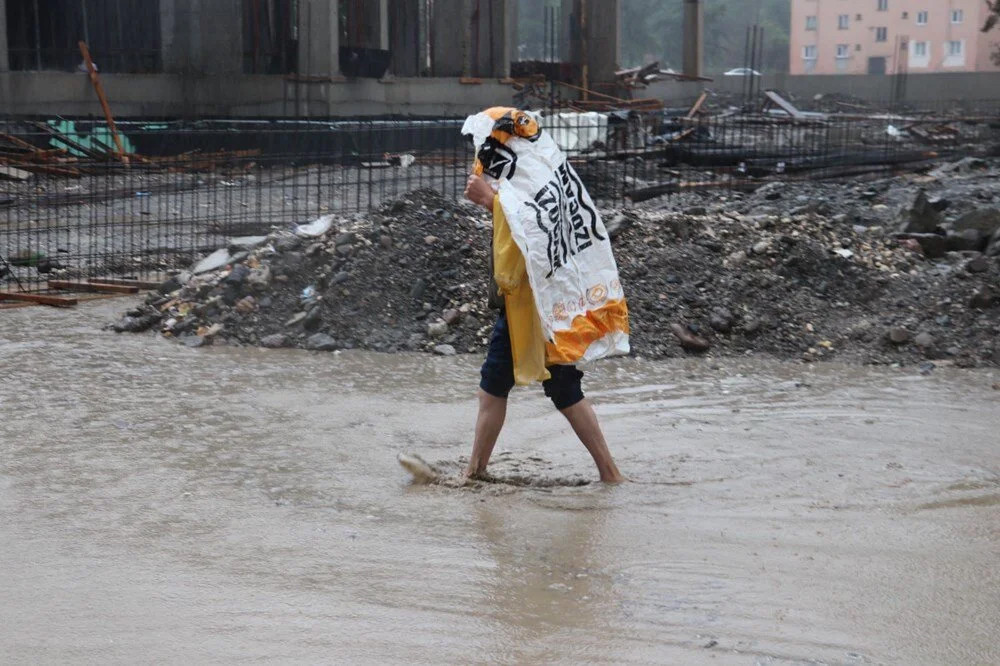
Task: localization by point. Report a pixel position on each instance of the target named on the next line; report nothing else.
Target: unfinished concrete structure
(299, 58)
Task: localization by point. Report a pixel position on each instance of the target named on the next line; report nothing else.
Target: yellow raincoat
(527, 341)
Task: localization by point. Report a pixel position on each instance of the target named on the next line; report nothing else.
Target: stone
(983, 298)
(920, 217)
(762, 247)
(898, 335)
(444, 350)
(437, 329)
(274, 341)
(246, 305)
(451, 316)
(209, 332)
(339, 278)
(939, 204)
(737, 258)
(721, 320)
(418, 288)
(430, 240)
(321, 342)
(313, 318)
(696, 210)
(966, 240)
(212, 262)
(984, 220)
(136, 323)
(237, 276)
(345, 238)
(689, 340)
(978, 264)
(296, 318)
(993, 248)
(385, 241)
(934, 246)
(345, 250)
(194, 341)
(924, 340)
(259, 278)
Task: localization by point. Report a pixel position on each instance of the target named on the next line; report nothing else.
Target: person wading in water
(563, 387)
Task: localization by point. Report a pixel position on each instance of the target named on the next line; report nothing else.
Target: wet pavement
(160, 504)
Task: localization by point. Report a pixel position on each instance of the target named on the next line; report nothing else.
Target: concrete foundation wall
(172, 95)
(920, 88)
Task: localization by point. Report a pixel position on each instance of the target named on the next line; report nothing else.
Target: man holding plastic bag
(562, 301)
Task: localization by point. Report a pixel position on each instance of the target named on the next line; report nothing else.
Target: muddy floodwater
(160, 504)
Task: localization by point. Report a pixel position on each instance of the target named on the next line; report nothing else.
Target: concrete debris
(817, 274)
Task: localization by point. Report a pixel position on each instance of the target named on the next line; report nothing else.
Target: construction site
(246, 333)
(114, 194)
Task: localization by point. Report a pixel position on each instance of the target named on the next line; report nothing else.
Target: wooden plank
(138, 284)
(99, 89)
(41, 299)
(75, 285)
(696, 109)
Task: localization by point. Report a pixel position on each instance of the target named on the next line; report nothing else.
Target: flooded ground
(160, 504)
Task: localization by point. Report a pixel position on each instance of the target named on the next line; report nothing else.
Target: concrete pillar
(4, 62)
(694, 29)
(201, 36)
(450, 23)
(367, 24)
(175, 44)
(5, 100)
(404, 37)
(595, 38)
(491, 37)
(319, 38)
(603, 39)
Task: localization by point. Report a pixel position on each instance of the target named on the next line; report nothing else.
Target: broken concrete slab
(212, 262)
(921, 217)
(984, 220)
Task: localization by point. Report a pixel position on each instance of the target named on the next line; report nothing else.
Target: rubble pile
(813, 271)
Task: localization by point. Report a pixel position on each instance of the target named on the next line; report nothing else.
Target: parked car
(742, 71)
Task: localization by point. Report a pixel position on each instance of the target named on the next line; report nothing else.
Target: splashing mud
(223, 505)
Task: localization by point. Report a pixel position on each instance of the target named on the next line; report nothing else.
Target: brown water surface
(160, 504)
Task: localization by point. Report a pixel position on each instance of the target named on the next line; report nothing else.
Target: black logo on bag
(562, 213)
(497, 159)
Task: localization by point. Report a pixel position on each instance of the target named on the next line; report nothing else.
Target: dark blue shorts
(498, 372)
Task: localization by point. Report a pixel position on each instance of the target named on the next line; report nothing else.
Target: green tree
(992, 20)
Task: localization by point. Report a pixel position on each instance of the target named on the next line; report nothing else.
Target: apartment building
(889, 36)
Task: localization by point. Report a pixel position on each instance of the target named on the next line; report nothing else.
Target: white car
(742, 71)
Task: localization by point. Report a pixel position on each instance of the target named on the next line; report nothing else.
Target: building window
(857, 17)
(843, 21)
(843, 50)
(883, 5)
(810, 23)
(920, 49)
(809, 52)
(906, 15)
(123, 36)
(881, 34)
(921, 18)
(955, 48)
(957, 16)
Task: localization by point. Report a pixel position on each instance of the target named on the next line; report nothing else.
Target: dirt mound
(753, 274)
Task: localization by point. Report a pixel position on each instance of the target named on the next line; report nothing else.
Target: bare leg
(492, 412)
(584, 421)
